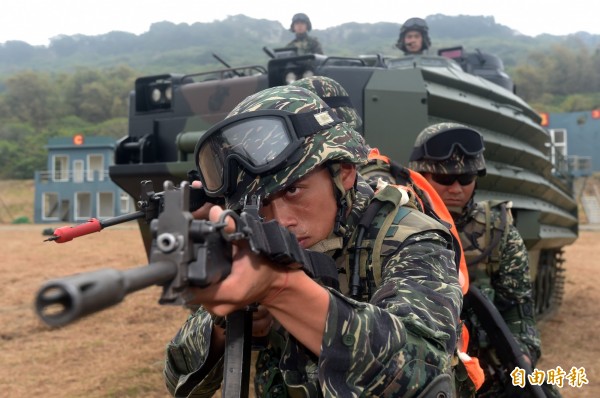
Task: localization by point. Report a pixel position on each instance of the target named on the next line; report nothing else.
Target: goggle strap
(305, 124)
(338, 101)
(417, 153)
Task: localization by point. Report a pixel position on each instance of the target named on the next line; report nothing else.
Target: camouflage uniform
(393, 345)
(306, 44)
(502, 276)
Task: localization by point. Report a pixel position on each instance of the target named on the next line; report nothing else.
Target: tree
(31, 98)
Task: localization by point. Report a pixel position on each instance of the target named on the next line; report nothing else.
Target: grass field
(16, 200)
(120, 352)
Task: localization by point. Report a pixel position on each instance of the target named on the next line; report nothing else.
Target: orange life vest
(433, 205)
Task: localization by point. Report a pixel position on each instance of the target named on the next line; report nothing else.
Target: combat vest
(485, 227)
(388, 220)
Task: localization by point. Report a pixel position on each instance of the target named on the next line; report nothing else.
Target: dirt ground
(119, 352)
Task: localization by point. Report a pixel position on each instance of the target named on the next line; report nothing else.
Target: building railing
(70, 176)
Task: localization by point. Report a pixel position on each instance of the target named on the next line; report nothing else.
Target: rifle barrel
(64, 300)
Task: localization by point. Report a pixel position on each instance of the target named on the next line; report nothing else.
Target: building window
(106, 205)
(50, 206)
(558, 151)
(78, 170)
(61, 168)
(83, 205)
(125, 202)
(95, 167)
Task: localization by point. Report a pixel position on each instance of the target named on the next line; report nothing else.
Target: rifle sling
(501, 337)
(281, 246)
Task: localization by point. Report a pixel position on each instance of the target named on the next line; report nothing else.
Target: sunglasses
(448, 179)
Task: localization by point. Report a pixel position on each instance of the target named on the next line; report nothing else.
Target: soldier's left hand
(253, 278)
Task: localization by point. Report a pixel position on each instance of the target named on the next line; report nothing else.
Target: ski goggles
(259, 142)
(449, 179)
(441, 146)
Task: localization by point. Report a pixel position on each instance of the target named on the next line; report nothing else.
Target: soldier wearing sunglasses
(450, 157)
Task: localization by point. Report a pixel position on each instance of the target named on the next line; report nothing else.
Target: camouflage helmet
(334, 95)
(448, 148)
(418, 24)
(338, 143)
(301, 17)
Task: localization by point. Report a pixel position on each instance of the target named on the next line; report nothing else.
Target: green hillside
(168, 47)
(81, 84)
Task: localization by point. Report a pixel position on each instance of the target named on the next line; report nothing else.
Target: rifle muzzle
(61, 301)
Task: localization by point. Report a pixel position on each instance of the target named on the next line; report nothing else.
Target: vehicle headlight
(156, 95)
(290, 77)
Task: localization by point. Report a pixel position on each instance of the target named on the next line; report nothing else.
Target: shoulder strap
(401, 222)
(387, 195)
(494, 243)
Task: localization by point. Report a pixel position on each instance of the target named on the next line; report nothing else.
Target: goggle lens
(441, 146)
(210, 161)
(261, 142)
(256, 142)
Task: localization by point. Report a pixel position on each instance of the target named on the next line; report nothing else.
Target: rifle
(507, 348)
(179, 257)
(150, 204)
(181, 248)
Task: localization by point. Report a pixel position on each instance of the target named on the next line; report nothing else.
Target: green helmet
(448, 148)
(418, 24)
(334, 95)
(301, 17)
(328, 139)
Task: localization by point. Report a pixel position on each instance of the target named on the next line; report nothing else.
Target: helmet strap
(344, 198)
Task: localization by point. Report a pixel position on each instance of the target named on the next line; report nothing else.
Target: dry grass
(16, 200)
(569, 338)
(119, 352)
(115, 353)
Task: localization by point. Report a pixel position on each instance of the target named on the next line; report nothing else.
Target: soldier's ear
(348, 175)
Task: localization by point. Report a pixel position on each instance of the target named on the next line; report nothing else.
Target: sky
(36, 21)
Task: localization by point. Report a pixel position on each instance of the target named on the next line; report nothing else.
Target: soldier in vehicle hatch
(414, 37)
(304, 43)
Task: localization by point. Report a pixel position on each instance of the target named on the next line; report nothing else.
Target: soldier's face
(413, 41)
(308, 207)
(453, 195)
(300, 27)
